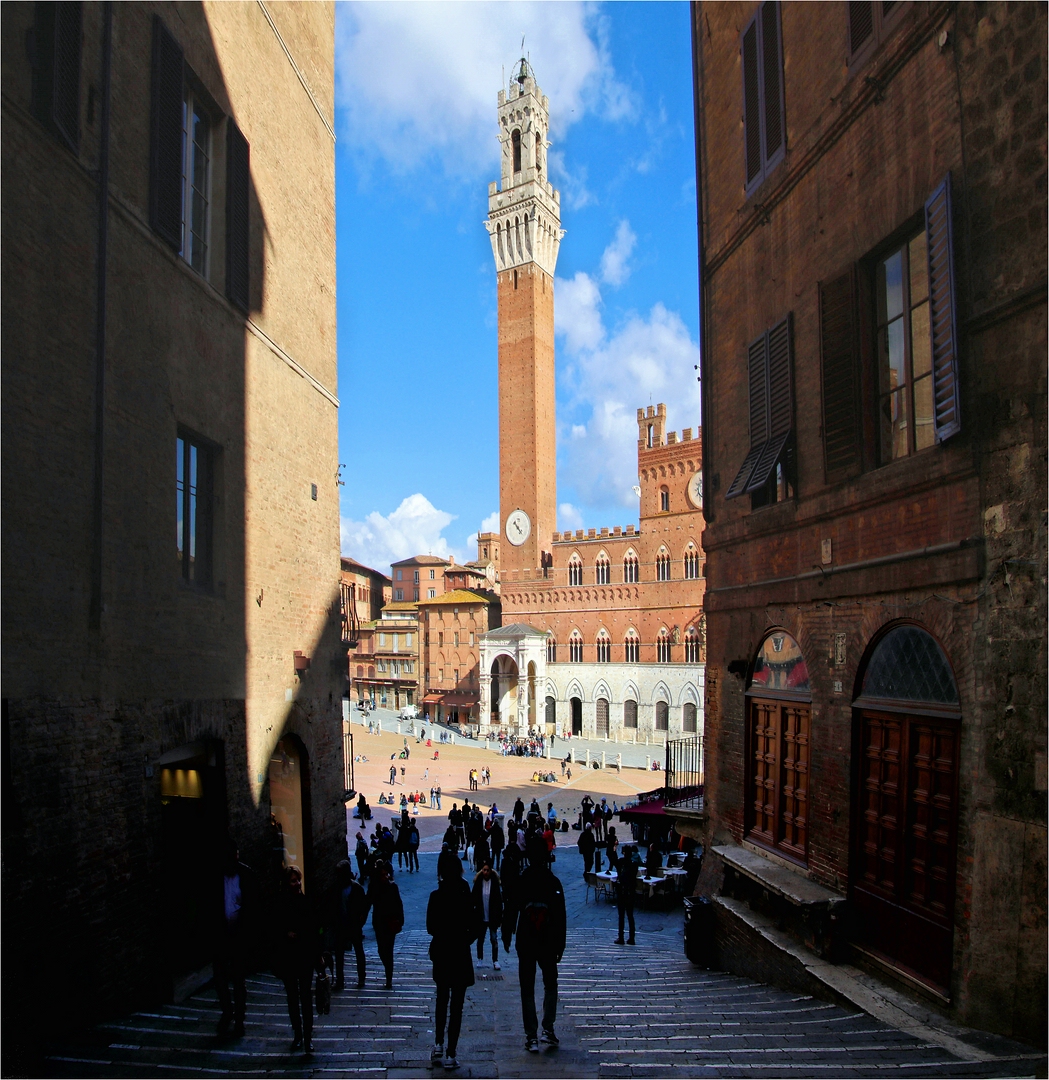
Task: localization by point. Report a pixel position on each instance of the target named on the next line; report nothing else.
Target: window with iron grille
(604, 648)
(575, 571)
(632, 646)
(630, 573)
(764, 119)
(575, 649)
(691, 562)
(663, 565)
(603, 571)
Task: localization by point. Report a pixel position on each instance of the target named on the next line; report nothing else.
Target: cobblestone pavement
(640, 1011)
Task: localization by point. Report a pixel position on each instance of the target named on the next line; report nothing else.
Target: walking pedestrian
(360, 853)
(450, 923)
(586, 845)
(496, 841)
(297, 955)
(438, 794)
(393, 775)
(518, 810)
(347, 912)
(626, 887)
(488, 910)
(541, 934)
(413, 848)
(612, 850)
(234, 938)
(384, 898)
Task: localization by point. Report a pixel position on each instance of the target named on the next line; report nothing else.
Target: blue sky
(416, 88)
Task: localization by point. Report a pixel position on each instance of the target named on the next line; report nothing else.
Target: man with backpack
(413, 847)
(541, 933)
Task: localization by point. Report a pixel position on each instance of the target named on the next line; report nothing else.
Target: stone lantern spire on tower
(524, 225)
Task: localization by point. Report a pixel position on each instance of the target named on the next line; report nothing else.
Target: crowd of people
(531, 745)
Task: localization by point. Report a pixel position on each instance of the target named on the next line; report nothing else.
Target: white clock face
(695, 490)
(518, 528)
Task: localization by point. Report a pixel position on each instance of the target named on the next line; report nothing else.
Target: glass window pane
(891, 371)
(919, 268)
(924, 434)
(898, 412)
(180, 451)
(921, 347)
(890, 287)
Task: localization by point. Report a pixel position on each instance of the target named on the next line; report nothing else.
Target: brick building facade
(169, 374)
(873, 276)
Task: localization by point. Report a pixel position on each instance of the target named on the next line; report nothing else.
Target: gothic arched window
(632, 645)
(551, 649)
(604, 569)
(691, 562)
(575, 647)
(691, 646)
(575, 571)
(630, 568)
(515, 140)
(663, 565)
(663, 647)
(664, 499)
(604, 648)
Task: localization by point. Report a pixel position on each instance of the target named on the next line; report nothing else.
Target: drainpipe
(95, 610)
(704, 407)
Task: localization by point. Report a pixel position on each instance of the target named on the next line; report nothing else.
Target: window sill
(777, 874)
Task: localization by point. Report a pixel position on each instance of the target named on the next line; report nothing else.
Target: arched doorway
(602, 718)
(779, 713)
(289, 803)
(504, 692)
(577, 716)
(551, 715)
(907, 728)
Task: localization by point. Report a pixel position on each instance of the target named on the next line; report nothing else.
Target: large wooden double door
(904, 842)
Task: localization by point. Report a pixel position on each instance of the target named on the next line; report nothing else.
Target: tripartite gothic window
(630, 574)
(691, 561)
(663, 565)
(632, 647)
(692, 651)
(551, 650)
(603, 570)
(575, 647)
(663, 647)
(575, 571)
(604, 648)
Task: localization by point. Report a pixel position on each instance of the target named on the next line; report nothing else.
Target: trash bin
(699, 930)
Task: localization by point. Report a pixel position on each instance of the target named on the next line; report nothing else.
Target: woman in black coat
(384, 898)
(451, 922)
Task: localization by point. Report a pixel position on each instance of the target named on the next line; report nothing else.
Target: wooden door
(904, 842)
(602, 718)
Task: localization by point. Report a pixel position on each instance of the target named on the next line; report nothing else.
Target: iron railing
(683, 774)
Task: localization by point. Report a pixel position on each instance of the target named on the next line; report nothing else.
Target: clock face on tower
(695, 490)
(518, 528)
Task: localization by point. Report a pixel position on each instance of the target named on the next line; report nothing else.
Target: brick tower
(524, 224)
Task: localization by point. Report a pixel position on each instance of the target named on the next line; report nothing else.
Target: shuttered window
(764, 119)
(166, 150)
(869, 23)
(56, 41)
(237, 218)
(840, 377)
(770, 363)
(943, 318)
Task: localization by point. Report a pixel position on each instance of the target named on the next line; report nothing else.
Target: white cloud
(417, 82)
(605, 377)
(614, 267)
(568, 517)
(491, 523)
(414, 528)
(576, 312)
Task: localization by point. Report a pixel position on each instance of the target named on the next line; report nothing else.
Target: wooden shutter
(751, 102)
(861, 24)
(65, 101)
(165, 196)
(943, 321)
(840, 371)
(772, 82)
(757, 372)
(780, 403)
(238, 223)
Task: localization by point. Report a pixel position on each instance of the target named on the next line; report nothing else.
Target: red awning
(431, 699)
(456, 701)
(643, 811)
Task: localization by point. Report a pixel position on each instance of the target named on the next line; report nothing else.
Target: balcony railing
(683, 775)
